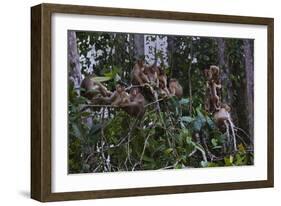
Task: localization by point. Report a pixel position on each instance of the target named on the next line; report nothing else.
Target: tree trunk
(249, 71)
(73, 60)
(139, 46)
(171, 60)
(225, 72)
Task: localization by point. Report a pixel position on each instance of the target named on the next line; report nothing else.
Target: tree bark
(73, 60)
(225, 71)
(171, 51)
(249, 71)
(139, 46)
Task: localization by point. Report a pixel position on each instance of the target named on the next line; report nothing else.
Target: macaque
(91, 89)
(215, 71)
(213, 83)
(135, 107)
(120, 96)
(117, 98)
(175, 88)
(151, 73)
(224, 122)
(214, 96)
(212, 74)
(222, 115)
(162, 77)
(137, 75)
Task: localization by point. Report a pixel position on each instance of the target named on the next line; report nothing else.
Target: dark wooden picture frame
(41, 101)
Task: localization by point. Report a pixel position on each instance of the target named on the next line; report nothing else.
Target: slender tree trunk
(73, 60)
(138, 46)
(171, 51)
(249, 71)
(74, 69)
(225, 71)
(189, 78)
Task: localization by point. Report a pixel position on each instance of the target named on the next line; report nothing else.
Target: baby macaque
(138, 76)
(120, 96)
(222, 115)
(136, 96)
(91, 89)
(135, 107)
(162, 77)
(175, 88)
(117, 98)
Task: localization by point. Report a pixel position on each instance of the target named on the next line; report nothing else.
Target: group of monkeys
(149, 78)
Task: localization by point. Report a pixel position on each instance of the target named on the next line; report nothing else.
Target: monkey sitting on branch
(136, 106)
(138, 77)
(175, 88)
(116, 99)
(152, 73)
(163, 84)
(91, 89)
(132, 104)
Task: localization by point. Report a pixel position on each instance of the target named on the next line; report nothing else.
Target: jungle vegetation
(181, 134)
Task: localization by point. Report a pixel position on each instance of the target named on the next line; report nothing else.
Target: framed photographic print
(130, 102)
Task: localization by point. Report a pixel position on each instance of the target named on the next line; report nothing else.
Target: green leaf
(85, 114)
(187, 119)
(184, 101)
(147, 159)
(214, 142)
(101, 79)
(168, 151)
(197, 124)
(76, 130)
(188, 139)
(241, 148)
(204, 163)
(210, 122)
(228, 160)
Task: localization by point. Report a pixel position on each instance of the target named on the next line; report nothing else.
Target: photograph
(146, 101)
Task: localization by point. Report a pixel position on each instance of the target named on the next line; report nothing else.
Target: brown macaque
(120, 96)
(135, 107)
(212, 102)
(138, 76)
(215, 100)
(212, 74)
(117, 98)
(175, 88)
(222, 115)
(136, 96)
(215, 71)
(91, 89)
(224, 122)
(162, 77)
(151, 73)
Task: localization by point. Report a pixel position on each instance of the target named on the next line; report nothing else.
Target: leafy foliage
(180, 135)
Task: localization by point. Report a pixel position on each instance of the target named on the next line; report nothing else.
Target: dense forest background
(164, 140)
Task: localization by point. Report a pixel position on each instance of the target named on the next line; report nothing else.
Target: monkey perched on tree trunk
(224, 122)
(212, 101)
